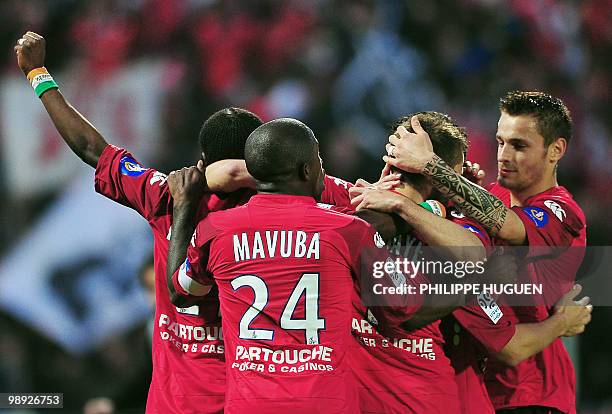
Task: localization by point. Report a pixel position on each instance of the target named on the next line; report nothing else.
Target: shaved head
(282, 151)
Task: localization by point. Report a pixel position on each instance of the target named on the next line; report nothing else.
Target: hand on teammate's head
(409, 151)
(30, 51)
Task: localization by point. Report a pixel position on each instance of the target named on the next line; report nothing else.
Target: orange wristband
(37, 71)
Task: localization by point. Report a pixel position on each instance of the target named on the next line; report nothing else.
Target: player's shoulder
(335, 182)
(560, 202)
(330, 216)
(226, 218)
(500, 192)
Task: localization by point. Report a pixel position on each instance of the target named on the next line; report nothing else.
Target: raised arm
(80, 135)
(413, 153)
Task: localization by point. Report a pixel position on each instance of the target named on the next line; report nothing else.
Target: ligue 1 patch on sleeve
(472, 229)
(537, 215)
(490, 307)
(129, 166)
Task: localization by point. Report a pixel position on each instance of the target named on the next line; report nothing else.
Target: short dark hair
(553, 118)
(224, 134)
(449, 141)
(277, 149)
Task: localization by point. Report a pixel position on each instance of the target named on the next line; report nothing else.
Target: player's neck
(518, 198)
(410, 192)
(288, 188)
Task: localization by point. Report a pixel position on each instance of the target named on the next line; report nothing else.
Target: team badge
(556, 209)
(130, 167)
(537, 215)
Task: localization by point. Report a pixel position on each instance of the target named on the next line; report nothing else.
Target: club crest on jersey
(130, 167)
(378, 240)
(537, 215)
(556, 209)
(472, 229)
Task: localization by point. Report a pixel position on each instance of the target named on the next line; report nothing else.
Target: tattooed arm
(413, 152)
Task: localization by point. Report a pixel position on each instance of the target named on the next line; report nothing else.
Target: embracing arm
(454, 240)
(183, 226)
(186, 186)
(476, 202)
(227, 176)
(413, 152)
(569, 318)
(84, 140)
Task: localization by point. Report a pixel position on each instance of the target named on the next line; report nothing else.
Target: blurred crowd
(347, 68)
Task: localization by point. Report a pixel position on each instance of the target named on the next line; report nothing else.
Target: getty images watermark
(402, 272)
(413, 274)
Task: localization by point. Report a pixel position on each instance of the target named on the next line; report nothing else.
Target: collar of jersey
(281, 199)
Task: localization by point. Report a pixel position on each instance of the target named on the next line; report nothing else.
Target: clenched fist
(187, 185)
(30, 50)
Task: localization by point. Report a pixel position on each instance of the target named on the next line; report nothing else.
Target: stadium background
(73, 314)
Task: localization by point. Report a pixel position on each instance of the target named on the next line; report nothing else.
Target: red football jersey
(399, 371)
(285, 269)
(471, 334)
(551, 218)
(188, 351)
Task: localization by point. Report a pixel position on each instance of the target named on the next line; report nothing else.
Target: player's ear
(305, 172)
(557, 149)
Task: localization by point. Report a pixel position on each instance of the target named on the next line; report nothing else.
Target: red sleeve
(458, 218)
(492, 333)
(550, 221)
(124, 180)
(336, 193)
(193, 277)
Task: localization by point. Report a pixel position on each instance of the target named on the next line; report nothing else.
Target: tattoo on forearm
(472, 199)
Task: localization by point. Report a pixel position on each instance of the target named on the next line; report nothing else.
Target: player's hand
(388, 182)
(30, 50)
(409, 151)
(473, 172)
(575, 315)
(187, 185)
(372, 198)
